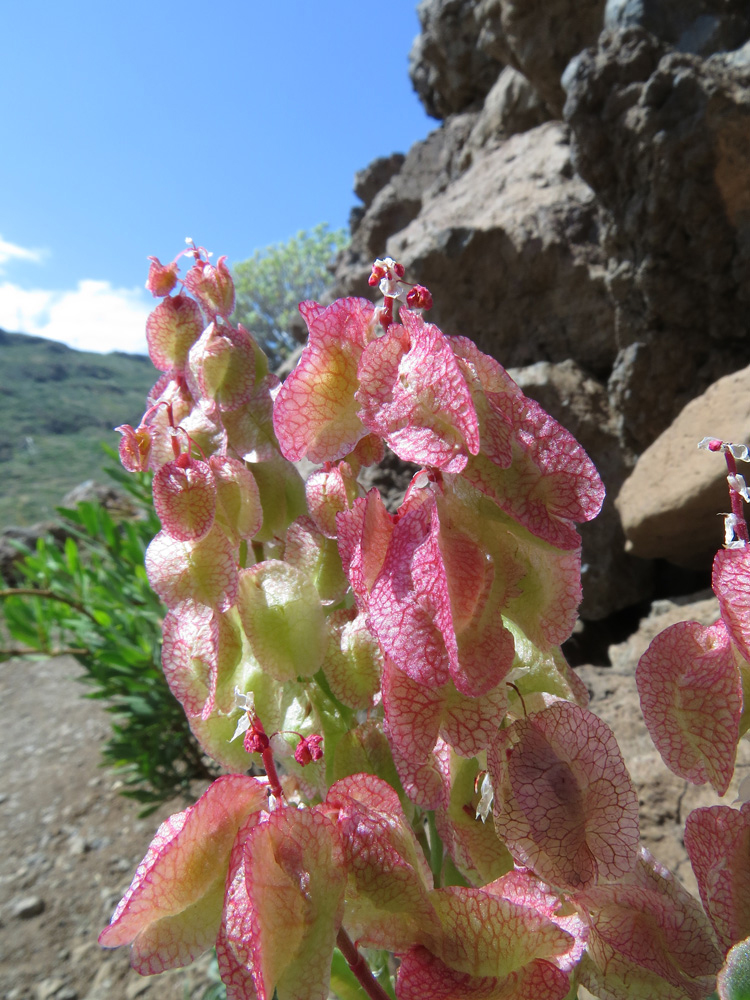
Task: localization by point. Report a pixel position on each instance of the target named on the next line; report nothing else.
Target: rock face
(699, 26)
(663, 138)
(515, 240)
(670, 502)
(585, 203)
(539, 38)
(447, 68)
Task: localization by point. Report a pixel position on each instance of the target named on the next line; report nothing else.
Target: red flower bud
(308, 749)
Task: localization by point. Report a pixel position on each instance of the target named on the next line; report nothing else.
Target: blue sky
(130, 126)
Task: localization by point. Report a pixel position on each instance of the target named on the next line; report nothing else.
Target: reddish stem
(359, 967)
(386, 312)
(738, 507)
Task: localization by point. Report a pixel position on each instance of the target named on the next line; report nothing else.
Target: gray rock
(511, 106)
(25, 907)
(663, 138)
(448, 70)
(375, 176)
(510, 251)
(539, 38)
(699, 26)
(428, 168)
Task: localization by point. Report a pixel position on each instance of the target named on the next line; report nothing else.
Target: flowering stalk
(412, 656)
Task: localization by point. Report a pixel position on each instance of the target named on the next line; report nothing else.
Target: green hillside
(56, 407)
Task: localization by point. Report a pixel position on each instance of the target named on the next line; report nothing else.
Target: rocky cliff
(583, 213)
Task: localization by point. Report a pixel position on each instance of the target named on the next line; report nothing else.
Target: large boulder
(448, 70)
(663, 138)
(539, 38)
(511, 252)
(670, 503)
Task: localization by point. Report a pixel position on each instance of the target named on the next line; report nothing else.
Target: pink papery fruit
(532, 467)
(431, 589)
(315, 413)
(388, 904)
(204, 571)
(353, 660)
(172, 911)
(329, 491)
(135, 447)
(185, 498)
(161, 277)
(731, 584)
(238, 507)
(474, 847)
(564, 802)
(284, 907)
(412, 393)
(212, 286)
(691, 698)
(645, 932)
(318, 557)
(717, 839)
(200, 650)
(283, 618)
(490, 947)
(171, 330)
(221, 368)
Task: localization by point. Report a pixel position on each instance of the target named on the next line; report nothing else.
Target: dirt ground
(69, 844)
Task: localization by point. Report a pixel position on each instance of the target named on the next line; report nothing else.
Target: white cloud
(93, 317)
(11, 251)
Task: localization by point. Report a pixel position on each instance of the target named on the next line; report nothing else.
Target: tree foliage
(270, 285)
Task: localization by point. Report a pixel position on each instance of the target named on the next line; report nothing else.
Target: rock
(49, 988)
(448, 70)
(510, 251)
(611, 578)
(669, 505)
(663, 138)
(375, 176)
(26, 907)
(426, 171)
(511, 106)
(539, 38)
(699, 26)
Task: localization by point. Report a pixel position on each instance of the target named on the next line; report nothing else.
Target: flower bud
(212, 286)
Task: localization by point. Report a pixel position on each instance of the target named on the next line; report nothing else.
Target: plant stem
(50, 595)
(359, 967)
(436, 850)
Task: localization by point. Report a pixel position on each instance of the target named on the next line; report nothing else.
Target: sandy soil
(69, 844)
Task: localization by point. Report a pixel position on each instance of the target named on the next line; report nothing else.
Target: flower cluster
(434, 784)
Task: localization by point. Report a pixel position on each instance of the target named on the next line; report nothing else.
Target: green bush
(90, 597)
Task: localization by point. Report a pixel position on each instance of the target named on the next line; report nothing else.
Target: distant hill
(56, 407)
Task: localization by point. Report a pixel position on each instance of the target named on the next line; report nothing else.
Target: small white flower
(731, 539)
(485, 802)
(738, 485)
(246, 703)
